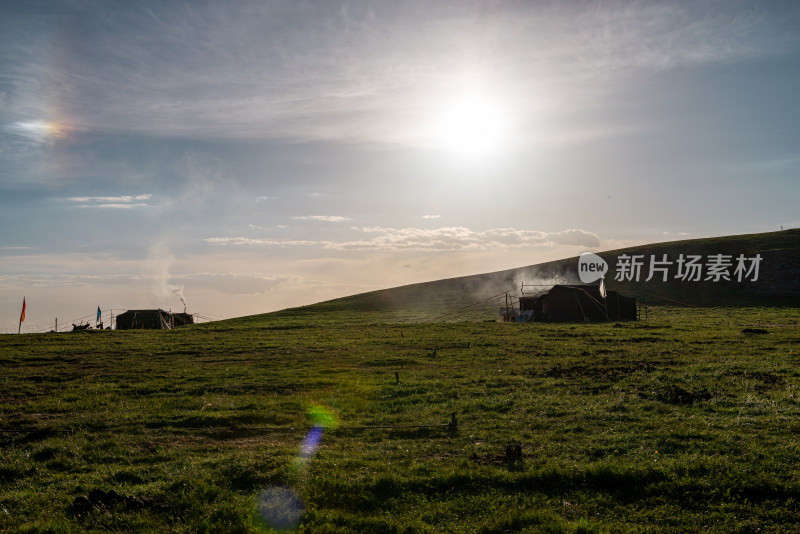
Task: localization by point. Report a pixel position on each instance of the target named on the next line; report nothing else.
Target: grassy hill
(470, 297)
(343, 417)
(684, 423)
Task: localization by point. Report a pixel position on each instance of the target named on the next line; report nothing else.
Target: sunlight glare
(472, 126)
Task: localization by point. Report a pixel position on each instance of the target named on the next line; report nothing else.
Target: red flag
(22, 315)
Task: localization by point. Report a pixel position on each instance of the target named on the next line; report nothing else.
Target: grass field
(681, 423)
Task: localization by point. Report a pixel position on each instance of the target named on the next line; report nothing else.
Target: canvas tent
(580, 303)
(180, 319)
(151, 320)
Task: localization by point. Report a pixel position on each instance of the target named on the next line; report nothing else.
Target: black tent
(151, 320)
(578, 304)
(180, 319)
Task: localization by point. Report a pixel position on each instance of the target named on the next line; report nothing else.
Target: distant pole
(21, 316)
(56, 325)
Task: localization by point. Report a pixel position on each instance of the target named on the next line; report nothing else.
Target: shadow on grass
(623, 484)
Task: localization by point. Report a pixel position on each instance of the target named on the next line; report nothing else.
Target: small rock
(132, 503)
(112, 498)
(97, 496)
(81, 505)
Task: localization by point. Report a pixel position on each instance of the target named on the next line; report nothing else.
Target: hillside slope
(479, 296)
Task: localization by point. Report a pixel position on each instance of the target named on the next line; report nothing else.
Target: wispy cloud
(120, 202)
(431, 216)
(113, 206)
(325, 218)
(122, 199)
(457, 238)
(256, 241)
(454, 238)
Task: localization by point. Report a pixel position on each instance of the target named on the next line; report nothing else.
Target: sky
(246, 156)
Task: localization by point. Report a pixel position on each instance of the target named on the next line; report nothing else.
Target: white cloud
(120, 202)
(453, 238)
(326, 218)
(575, 237)
(113, 206)
(256, 241)
(431, 216)
(456, 238)
(121, 199)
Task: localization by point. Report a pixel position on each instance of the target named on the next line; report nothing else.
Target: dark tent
(180, 319)
(151, 320)
(578, 304)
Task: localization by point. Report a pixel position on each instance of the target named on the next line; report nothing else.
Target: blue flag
(98, 314)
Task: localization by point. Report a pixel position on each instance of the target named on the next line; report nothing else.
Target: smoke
(178, 292)
(532, 286)
(160, 260)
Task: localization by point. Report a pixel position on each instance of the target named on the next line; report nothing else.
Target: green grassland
(679, 423)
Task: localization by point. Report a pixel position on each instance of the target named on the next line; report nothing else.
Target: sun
(471, 126)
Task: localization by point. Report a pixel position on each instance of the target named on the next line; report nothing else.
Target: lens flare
(310, 444)
(281, 508)
(322, 417)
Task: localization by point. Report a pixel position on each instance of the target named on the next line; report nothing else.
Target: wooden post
(56, 325)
